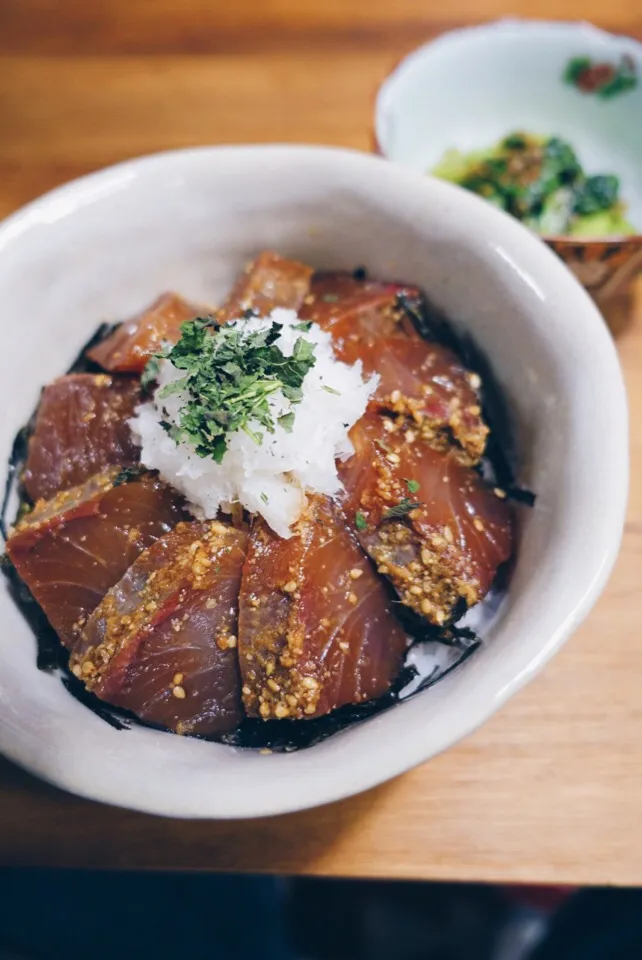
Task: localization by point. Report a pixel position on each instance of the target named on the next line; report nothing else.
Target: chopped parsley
(229, 376)
(150, 373)
(412, 485)
(401, 509)
(304, 326)
(265, 498)
(331, 390)
(360, 521)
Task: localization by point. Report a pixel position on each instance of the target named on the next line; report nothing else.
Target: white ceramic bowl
(470, 87)
(107, 244)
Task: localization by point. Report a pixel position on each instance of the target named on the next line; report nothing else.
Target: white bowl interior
(469, 88)
(106, 245)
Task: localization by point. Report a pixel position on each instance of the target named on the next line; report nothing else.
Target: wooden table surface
(550, 789)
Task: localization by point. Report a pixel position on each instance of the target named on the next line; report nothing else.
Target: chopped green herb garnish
(401, 509)
(229, 376)
(412, 485)
(331, 390)
(265, 498)
(304, 326)
(151, 371)
(126, 475)
(286, 421)
(360, 521)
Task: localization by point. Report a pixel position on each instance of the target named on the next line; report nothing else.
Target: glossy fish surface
(316, 629)
(80, 429)
(162, 642)
(430, 523)
(70, 550)
(132, 344)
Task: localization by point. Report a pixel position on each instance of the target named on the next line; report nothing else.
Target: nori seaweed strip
(114, 716)
(17, 460)
(286, 736)
(82, 363)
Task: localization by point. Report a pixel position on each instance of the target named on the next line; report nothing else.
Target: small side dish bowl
(100, 247)
(469, 88)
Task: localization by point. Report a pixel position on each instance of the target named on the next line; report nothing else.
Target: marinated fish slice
(357, 312)
(425, 380)
(81, 428)
(431, 525)
(315, 626)
(70, 550)
(131, 345)
(162, 642)
(426, 383)
(269, 281)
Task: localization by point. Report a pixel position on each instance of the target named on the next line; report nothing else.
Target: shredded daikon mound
(287, 450)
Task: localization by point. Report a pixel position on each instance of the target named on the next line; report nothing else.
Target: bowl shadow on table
(43, 825)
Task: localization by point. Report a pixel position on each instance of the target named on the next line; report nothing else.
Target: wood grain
(549, 789)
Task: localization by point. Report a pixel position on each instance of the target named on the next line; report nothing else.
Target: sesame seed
(179, 692)
(426, 606)
(478, 524)
(383, 569)
(273, 685)
(310, 708)
(310, 683)
(281, 711)
(88, 668)
(246, 691)
(474, 380)
(352, 598)
(448, 534)
(343, 646)
(289, 587)
(500, 493)
(210, 603)
(355, 573)
(292, 700)
(410, 436)
(392, 458)
(426, 557)
(178, 678)
(76, 670)
(231, 643)
(264, 710)
(416, 590)
(265, 752)
(395, 396)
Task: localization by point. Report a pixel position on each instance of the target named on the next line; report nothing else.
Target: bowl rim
(541, 260)
(459, 34)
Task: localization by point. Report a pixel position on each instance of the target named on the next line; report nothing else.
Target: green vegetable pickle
(540, 181)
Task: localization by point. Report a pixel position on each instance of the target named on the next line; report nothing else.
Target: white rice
(271, 478)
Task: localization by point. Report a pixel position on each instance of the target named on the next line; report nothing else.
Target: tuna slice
(162, 643)
(358, 312)
(81, 428)
(315, 627)
(70, 550)
(426, 383)
(423, 380)
(131, 345)
(430, 524)
(269, 282)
